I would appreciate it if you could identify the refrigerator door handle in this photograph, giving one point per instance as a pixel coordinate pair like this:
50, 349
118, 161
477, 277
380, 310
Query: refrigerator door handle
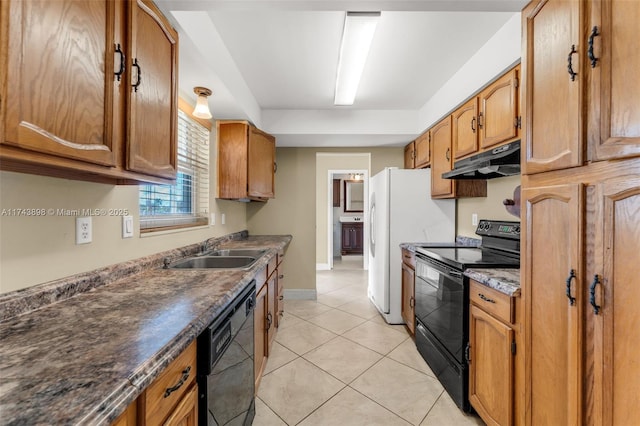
372, 225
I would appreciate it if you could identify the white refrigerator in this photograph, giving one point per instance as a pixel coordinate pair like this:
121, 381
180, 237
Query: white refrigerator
401, 210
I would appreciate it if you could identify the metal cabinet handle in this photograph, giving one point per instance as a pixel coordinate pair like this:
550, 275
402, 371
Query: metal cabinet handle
447, 154
269, 320
592, 294
570, 70
485, 298
572, 275
480, 120
592, 57
119, 51
139, 74
473, 122
412, 302
280, 277
467, 353
183, 379
275, 167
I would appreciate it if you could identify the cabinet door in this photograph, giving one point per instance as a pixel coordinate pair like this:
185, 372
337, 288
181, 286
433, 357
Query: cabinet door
614, 121
58, 65
260, 333
262, 162
552, 105
152, 95
465, 129
490, 367
423, 151
186, 413
357, 238
617, 372
346, 237
442, 159
499, 110
408, 297
272, 295
409, 155
553, 324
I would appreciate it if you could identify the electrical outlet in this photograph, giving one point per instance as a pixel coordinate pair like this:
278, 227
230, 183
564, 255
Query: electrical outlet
83, 230
127, 226
222, 219
474, 219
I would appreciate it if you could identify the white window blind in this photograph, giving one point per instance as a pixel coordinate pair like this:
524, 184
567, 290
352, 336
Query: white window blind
186, 203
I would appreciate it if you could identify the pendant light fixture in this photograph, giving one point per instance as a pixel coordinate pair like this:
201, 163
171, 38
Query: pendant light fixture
202, 105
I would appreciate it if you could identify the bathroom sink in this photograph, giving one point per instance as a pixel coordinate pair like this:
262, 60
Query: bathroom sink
215, 262
350, 219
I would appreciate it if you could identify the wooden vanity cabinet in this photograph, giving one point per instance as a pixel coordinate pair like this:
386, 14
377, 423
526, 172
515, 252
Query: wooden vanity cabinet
101, 110
409, 289
410, 155
246, 162
352, 238
491, 354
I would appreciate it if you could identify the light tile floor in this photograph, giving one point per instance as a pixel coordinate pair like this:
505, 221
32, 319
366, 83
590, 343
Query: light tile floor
336, 361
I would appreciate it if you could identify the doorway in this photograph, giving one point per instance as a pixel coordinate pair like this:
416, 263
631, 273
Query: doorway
348, 234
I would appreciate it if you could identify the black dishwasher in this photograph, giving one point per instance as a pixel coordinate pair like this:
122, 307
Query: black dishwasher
225, 365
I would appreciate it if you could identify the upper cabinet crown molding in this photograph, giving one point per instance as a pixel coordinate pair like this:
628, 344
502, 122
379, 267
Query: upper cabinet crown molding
102, 110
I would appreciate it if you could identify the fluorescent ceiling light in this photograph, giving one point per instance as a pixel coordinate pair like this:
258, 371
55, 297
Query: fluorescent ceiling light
357, 35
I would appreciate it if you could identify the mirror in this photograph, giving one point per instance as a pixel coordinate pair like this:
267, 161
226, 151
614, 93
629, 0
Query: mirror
353, 196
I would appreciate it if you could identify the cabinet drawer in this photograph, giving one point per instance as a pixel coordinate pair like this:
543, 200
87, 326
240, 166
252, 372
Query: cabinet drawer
409, 258
492, 301
182, 371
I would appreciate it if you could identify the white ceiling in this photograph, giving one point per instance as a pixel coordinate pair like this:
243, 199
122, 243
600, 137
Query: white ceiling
274, 62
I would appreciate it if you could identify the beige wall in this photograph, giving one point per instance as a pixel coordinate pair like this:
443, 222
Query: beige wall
293, 211
490, 207
34, 250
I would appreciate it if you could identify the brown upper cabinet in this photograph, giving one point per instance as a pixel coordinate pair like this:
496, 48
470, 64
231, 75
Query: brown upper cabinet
423, 151
498, 119
465, 129
246, 162
586, 72
102, 110
442, 162
410, 155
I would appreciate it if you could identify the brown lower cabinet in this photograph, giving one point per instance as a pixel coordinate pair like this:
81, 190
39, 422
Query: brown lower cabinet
493, 329
408, 289
172, 399
352, 238
268, 312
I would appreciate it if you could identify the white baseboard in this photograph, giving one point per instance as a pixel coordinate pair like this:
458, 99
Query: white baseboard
300, 294
323, 267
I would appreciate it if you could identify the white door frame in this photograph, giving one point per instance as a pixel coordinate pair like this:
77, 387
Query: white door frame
365, 212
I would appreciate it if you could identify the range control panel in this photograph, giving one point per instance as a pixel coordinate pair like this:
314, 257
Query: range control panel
499, 228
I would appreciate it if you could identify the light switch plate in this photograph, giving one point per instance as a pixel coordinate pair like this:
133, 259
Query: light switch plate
83, 230
127, 226
222, 219
474, 219
213, 219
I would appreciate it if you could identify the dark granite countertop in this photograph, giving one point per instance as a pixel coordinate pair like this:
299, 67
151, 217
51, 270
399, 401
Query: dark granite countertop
84, 359
506, 281
460, 241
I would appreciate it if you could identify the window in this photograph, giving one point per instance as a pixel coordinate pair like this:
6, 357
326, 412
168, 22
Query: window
185, 203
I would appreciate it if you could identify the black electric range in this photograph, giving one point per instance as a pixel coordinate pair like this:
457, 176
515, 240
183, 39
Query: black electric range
442, 299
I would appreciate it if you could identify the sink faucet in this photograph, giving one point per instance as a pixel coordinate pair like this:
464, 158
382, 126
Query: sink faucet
205, 245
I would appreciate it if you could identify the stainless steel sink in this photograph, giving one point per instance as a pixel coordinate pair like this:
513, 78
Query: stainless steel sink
216, 262
238, 252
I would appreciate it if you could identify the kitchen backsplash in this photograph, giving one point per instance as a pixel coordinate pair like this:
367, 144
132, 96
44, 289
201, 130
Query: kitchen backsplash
489, 207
